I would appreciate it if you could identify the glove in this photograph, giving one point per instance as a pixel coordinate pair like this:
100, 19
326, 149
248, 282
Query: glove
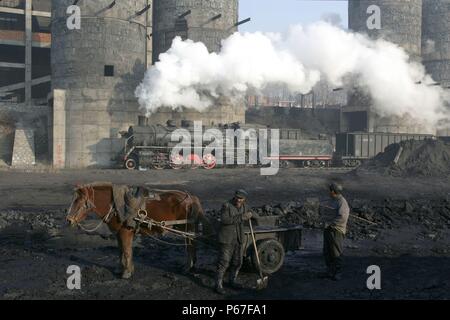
247, 216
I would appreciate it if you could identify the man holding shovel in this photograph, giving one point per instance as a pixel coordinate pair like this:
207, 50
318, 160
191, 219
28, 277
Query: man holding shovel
334, 234
231, 238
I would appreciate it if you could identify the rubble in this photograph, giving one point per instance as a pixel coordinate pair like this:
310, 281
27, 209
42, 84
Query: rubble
384, 214
44, 220
380, 215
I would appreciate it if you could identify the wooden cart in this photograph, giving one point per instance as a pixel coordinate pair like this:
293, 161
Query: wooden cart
272, 242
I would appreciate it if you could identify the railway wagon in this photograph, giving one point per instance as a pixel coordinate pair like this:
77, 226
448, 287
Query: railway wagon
444, 134
354, 148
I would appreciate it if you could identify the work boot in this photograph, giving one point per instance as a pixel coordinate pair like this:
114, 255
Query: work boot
233, 281
336, 272
327, 274
219, 284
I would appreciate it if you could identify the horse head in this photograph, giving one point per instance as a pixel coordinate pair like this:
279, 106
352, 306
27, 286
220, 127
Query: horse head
82, 204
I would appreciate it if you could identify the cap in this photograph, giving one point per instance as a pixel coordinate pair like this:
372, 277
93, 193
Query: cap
336, 187
241, 193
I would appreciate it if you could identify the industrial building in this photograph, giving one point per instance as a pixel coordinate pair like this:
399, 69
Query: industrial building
67, 94
436, 40
422, 28
88, 76
95, 71
25, 41
206, 21
401, 23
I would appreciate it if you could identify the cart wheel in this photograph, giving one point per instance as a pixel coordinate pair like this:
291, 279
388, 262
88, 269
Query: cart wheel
130, 164
271, 256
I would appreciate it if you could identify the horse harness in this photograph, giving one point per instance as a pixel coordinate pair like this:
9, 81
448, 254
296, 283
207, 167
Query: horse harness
106, 220
142, 218
91, 206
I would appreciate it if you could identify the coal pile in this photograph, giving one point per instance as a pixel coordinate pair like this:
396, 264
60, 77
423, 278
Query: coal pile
430, 216
368, 217
429, 158
30, 220
307, 213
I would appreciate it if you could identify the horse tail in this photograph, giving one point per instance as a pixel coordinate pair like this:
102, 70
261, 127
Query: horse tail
197, 214
200, 218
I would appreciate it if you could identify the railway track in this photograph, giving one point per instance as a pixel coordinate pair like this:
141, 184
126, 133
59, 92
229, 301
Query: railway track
343, 169
328, 169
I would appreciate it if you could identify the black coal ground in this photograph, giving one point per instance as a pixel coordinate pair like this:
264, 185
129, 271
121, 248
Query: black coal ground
411, 244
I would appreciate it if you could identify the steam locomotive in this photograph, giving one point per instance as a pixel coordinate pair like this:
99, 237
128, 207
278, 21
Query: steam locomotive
152, 146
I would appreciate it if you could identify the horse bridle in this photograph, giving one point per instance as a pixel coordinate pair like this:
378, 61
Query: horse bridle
90, 206
87, 207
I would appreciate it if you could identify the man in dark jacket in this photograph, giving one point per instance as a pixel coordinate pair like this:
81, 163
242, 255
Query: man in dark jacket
334, 234
231, 238
134, 201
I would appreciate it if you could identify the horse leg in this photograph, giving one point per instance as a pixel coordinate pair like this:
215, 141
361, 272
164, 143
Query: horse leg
197, 213
191, 258
127, 236
121, 266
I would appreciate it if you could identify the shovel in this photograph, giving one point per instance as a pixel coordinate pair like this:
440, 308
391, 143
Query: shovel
351, 215
261, 283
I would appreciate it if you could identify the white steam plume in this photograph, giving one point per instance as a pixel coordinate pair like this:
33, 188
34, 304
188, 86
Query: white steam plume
188, 75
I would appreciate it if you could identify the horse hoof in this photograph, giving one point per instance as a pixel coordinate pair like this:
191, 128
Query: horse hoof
126, 275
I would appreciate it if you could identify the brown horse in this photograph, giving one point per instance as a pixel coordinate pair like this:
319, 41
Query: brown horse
170, 206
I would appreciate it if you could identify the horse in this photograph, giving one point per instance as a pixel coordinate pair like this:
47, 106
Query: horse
173, 205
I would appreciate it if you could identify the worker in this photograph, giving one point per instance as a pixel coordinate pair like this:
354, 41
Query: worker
334, 233
231, 238
134, 201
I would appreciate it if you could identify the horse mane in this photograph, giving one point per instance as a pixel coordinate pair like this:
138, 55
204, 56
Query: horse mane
102, 184
168, 191
97, 184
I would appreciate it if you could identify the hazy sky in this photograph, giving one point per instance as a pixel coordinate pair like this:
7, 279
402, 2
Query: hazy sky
278, 15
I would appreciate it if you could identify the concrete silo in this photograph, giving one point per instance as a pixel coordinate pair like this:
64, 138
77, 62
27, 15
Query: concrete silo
436, 40
95, 71
436, 45
206, 21
400, 23
202, 21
